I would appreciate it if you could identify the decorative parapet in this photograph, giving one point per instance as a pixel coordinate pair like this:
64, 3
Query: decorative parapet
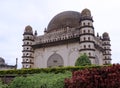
63, 34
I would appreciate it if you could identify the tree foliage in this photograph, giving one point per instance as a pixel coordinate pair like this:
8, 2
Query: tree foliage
83, 60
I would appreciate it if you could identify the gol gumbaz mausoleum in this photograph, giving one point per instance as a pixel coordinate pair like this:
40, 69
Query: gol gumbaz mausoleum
68, 35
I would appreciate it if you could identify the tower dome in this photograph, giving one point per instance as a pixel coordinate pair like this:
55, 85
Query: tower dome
63, 20
86, 13
105, 35
28, 29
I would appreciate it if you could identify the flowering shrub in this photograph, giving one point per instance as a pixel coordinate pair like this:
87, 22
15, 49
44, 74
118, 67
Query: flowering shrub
105, 77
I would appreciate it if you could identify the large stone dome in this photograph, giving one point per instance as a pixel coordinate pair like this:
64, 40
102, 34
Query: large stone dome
63, 20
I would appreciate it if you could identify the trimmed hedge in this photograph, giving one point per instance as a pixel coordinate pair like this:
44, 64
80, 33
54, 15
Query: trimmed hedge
45, 70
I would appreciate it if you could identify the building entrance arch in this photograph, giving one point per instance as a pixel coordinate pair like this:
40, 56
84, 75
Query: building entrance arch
55, 60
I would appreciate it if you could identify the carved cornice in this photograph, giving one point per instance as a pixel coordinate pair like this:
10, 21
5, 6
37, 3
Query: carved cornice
54, 43
87, 34
107, 49
86, 18
91, 57
27, 57
86, 49
107, 54
27, 63
87, 41
28, 39
27, 51
106, 44
26, 45
105, 39
26, 33
107, 59
86, 26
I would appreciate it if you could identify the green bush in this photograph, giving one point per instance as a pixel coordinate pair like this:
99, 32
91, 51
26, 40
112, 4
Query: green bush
42, 80
83, 60
2, 85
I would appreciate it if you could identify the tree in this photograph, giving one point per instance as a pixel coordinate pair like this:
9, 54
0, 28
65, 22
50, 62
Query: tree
83, 60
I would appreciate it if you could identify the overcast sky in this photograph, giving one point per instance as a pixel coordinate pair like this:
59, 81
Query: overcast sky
16, 14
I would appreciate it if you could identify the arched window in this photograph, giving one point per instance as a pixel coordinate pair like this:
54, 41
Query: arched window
89, 54
89, 38
84, 24
84, 46
27, 54
105, 62
30, 54
88, 24
28, 37
27, 66
84, 31
88, 31
26, 60
84, 38
89, 46
27, 42
105, 57
104, 52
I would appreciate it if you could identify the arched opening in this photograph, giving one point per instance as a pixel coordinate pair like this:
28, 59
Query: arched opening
84, 38
84, 46
89, 38
55, 60
89, 54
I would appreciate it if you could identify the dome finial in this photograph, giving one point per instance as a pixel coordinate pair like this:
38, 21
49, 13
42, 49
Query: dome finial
97, 34
35, 33
45, 30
